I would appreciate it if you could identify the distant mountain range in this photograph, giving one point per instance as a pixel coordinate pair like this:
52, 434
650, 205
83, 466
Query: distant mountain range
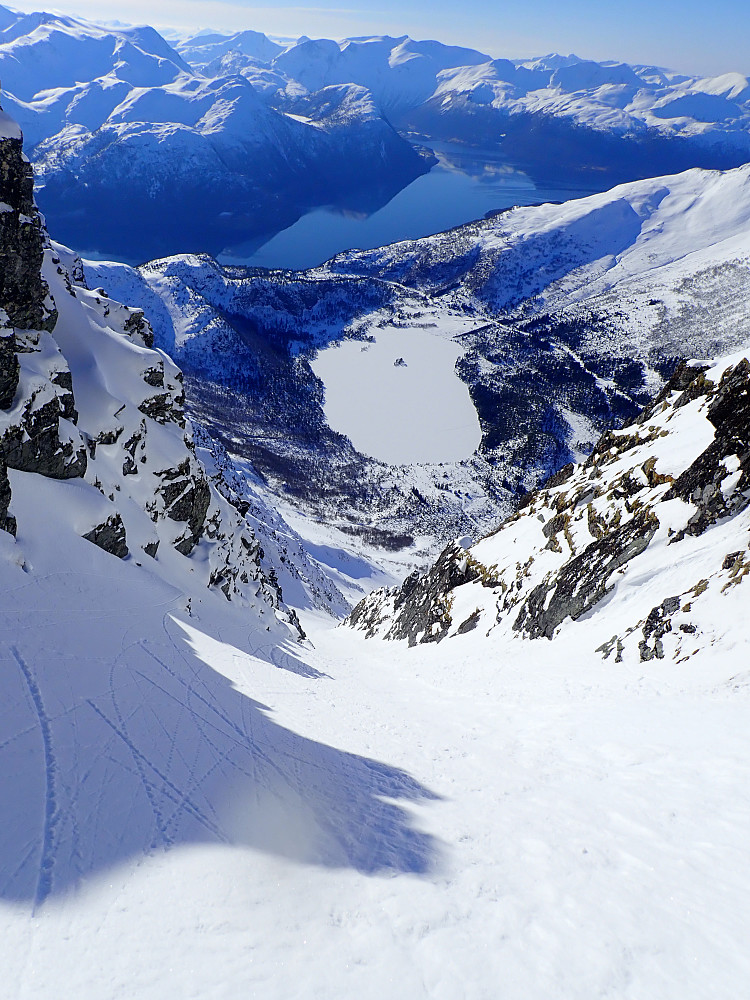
143, 149
137, 154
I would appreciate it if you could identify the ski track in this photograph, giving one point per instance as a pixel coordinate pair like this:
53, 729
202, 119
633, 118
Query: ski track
51, 818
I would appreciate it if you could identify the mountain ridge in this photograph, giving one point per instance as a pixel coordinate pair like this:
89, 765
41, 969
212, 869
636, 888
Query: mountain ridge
254, 141
596, 539
568, 319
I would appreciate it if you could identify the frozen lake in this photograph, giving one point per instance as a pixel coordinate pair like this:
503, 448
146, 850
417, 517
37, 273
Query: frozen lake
465, 185
418, 411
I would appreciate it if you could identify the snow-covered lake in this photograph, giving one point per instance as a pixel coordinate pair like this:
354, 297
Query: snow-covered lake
418, 411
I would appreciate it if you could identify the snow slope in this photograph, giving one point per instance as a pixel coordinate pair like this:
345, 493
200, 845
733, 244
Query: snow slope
436, 821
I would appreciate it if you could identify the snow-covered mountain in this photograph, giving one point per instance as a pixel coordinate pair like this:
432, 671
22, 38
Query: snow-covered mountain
554, 322
226, 140
205, 49
629, 121
138, 155
642, 548
612, 118
450, 84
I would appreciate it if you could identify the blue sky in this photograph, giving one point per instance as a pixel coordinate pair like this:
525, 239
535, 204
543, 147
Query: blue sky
694, 36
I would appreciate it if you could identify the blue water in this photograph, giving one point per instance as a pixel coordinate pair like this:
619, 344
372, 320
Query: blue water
463, 186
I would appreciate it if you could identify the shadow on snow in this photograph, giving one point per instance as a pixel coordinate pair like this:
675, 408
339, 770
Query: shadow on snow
138, 744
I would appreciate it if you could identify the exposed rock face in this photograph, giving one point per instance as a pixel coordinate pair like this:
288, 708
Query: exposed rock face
701, 484
7, 522
422, 606
186, 497
37, 432
36, 442
582, 582
9, 368
680, 469
110, 536
23, 293
84, 400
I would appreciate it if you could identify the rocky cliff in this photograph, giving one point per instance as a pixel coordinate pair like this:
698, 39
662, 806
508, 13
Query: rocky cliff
86, 401
650, 533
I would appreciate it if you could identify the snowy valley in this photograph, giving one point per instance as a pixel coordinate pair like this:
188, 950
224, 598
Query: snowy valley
558, 321
378, 629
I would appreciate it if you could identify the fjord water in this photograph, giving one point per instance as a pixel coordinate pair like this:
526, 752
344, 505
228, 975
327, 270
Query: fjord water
464, 185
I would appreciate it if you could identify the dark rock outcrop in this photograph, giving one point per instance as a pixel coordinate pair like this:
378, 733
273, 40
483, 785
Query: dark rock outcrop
583, 581
31, 439
7, 521
656, 626
24, 294
562, 553
186, 497
34, 442
137, 325
701, 483
110, 536
422, 604
9, 368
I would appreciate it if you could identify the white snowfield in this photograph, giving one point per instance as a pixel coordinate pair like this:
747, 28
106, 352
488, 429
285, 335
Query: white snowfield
187, 819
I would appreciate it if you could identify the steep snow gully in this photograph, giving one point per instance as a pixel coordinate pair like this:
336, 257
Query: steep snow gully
524, 773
